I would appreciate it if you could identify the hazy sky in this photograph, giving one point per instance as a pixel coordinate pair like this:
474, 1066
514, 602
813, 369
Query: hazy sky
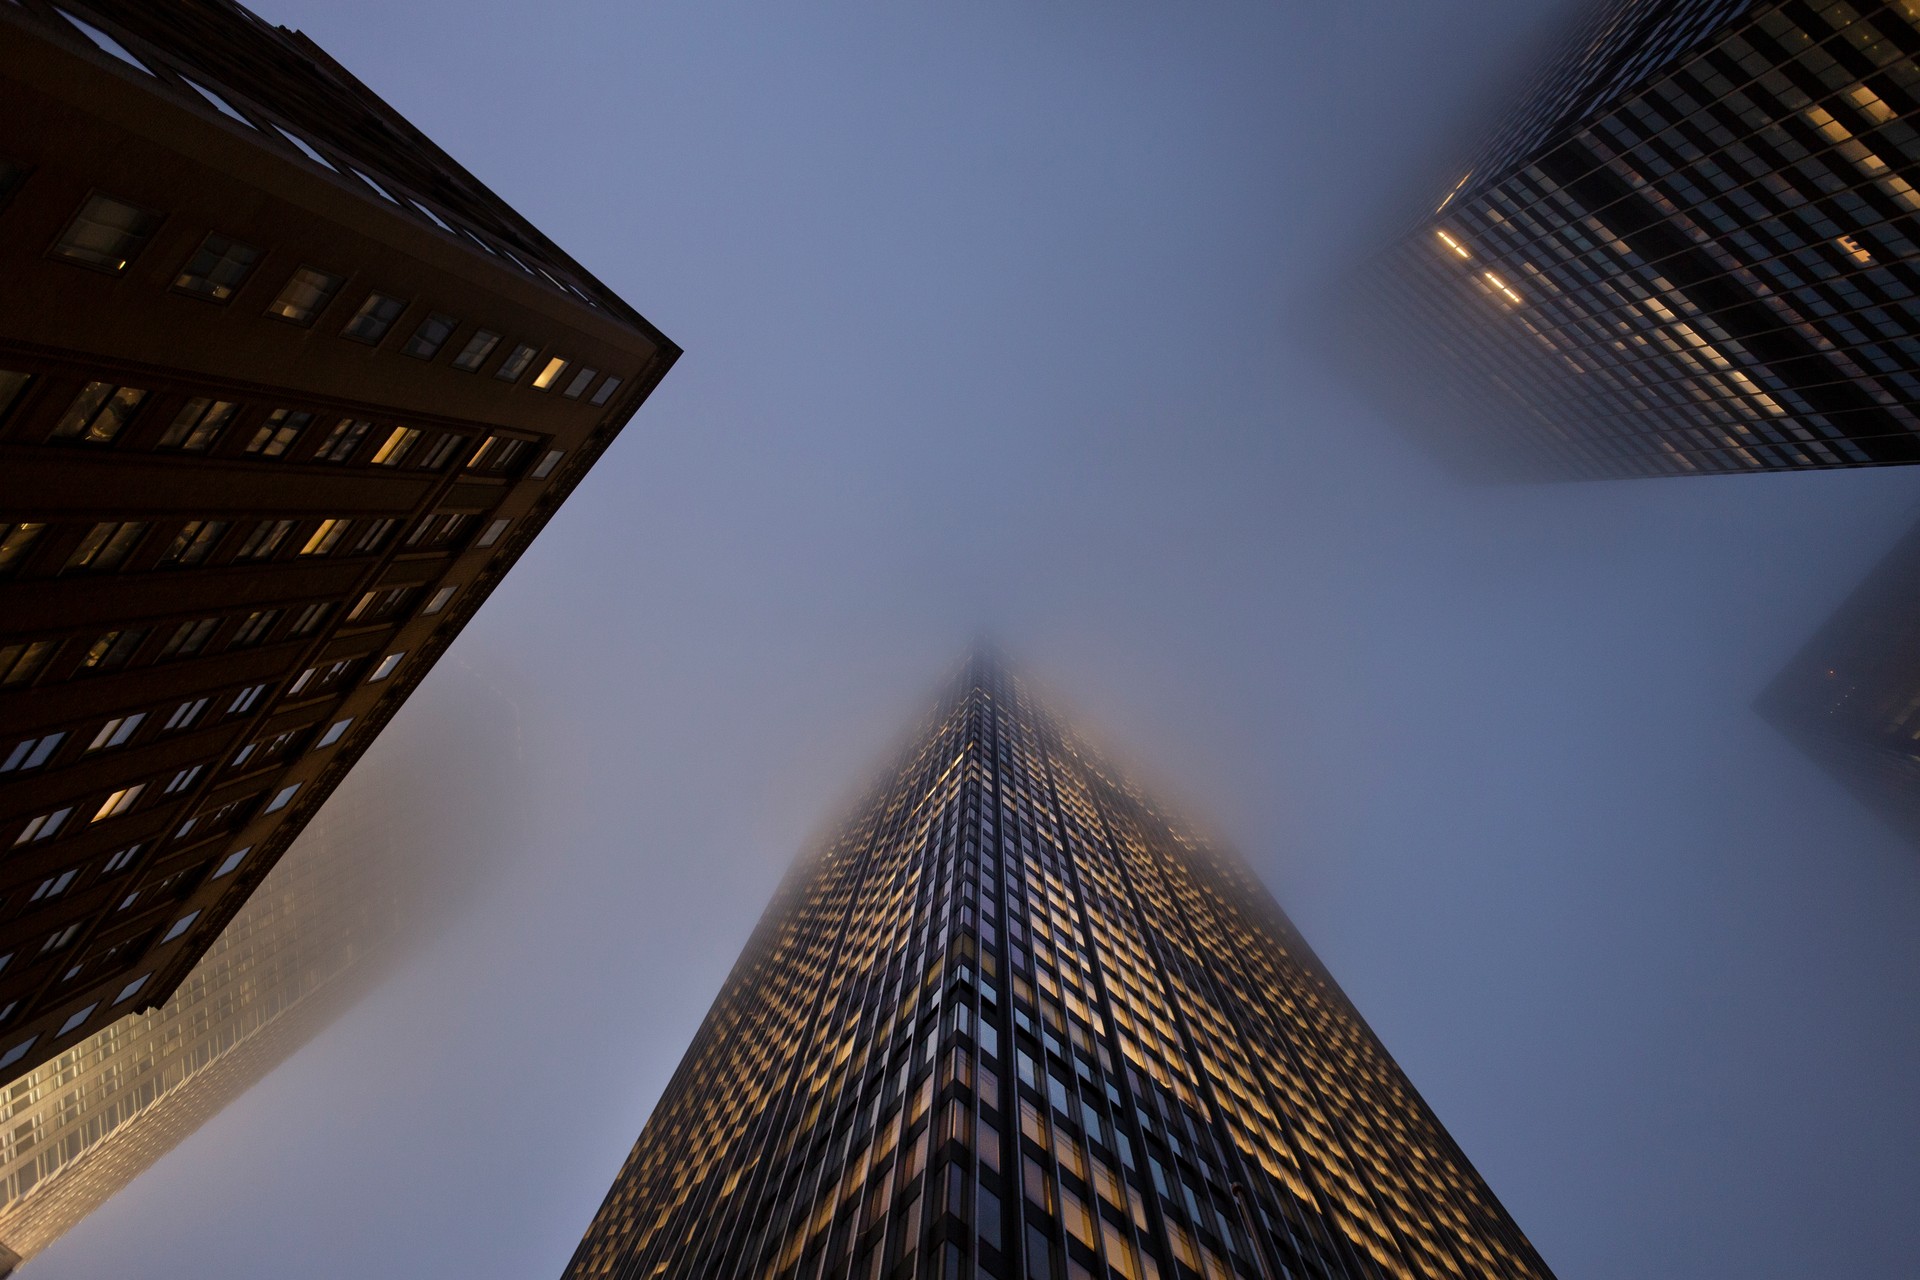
986, 309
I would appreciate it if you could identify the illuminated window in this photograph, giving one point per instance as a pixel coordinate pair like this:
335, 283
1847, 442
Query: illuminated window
118, 802
551, 371
393, 450
306, 295
219, 267
325, 537
106, 234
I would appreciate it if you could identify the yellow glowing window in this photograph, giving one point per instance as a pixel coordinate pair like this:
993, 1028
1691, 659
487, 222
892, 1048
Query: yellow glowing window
325, 537
554, 368
1453, 244
395, 447
119, 802
1854, 249
1502, 286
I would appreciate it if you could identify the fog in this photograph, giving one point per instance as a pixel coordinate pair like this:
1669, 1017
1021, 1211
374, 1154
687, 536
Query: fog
989, 312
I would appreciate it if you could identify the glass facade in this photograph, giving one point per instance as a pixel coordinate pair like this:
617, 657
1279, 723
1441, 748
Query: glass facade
318, 933
1851, 697
1692, 250
1014, 1021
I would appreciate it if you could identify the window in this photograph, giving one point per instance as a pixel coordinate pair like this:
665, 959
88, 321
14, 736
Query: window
475, 353
276, 435
443, 449
548, 463
578, 383
255, 629
194, 542
18, 1052
132, 989
12, 383
375, 316
516, 363
373, 536
106, 234
431, 335
98, 413
306, 295
393, 450
377, 606
54, 886
281, 799
20, 663
218, 103
385, 669
334, 733
105, 43
106, 546
494, 530
607, 388
439, 600
188, 638
44, 827
325, 537
121, 860
116, 731
342, 440
185, 714
183, 779
231, 861
309, 619
118, 803
112, 650
32, 752
217, 268
244, 700
180, 926
300, 682
305, 148
552, 370
497, 454
198, 425
15, 541
438, 531
265, 539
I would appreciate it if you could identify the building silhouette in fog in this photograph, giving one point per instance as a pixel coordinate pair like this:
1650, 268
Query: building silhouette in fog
326, 925
1690, 249
284, 392
1013, 1021
1851, 697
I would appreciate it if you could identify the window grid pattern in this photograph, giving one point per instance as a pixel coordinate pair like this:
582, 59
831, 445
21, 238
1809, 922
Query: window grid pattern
1014, 1022
1713, 272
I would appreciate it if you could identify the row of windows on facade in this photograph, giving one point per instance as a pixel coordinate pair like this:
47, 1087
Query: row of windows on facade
102, 410
110, 546
163, 69
26, 662
107, 234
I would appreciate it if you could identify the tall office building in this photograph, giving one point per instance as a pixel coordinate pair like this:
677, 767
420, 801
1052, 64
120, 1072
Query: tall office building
1015, 1022
1851, 697
1691, 249
284, 391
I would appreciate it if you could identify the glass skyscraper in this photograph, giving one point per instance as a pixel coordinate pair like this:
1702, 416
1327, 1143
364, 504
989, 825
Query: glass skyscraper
1690, 249
1014, 1021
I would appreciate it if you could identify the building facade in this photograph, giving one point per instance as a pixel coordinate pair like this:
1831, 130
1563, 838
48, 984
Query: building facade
1691, 249
354, 891
284, 392
1014, 1022
1851, 697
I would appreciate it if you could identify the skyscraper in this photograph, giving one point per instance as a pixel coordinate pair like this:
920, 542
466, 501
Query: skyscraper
1851, 697
284, 392
397, 850
1690, 249
1013, 1021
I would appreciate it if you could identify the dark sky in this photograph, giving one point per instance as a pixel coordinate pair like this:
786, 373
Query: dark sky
986, 308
